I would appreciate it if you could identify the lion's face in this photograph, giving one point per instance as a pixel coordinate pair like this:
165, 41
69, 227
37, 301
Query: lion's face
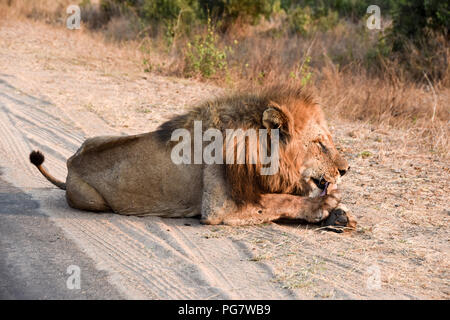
322, 164
309, 163
309, 160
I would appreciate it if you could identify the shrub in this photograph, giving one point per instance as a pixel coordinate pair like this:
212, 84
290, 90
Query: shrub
95, 17
419, 37
156, 14
302, 20
353, 9
299, 20
303, 73
203, 55
328, 21
416, 18
229, 10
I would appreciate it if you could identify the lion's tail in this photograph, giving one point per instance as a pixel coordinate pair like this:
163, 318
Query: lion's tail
37, 158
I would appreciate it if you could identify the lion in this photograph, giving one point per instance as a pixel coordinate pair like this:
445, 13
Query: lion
134, 175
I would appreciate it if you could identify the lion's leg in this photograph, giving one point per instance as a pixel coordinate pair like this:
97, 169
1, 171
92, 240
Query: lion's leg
81, 195
216, 201
218, 207
276, 206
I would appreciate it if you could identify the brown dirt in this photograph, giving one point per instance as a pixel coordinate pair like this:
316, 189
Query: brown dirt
60, 86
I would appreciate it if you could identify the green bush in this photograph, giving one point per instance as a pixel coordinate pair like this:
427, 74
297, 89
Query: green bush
203, 55
415, 19
354, 9
328, 21
302, 20
229, 10
167, 13
299, 20
303, 72
418, 38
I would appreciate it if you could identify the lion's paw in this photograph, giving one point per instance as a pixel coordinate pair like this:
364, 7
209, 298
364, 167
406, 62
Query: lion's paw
339, 220
211, 221
320, 207
331, 200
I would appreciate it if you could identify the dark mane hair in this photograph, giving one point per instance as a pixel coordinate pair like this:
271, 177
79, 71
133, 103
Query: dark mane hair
241, 108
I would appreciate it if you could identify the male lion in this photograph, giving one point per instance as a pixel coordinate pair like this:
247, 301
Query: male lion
134, 175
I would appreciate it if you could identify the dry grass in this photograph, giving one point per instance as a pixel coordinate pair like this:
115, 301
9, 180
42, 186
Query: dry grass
331, 63
334, 65
50, 11
383, 104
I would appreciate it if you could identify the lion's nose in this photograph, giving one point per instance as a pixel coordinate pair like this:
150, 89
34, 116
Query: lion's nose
343, 171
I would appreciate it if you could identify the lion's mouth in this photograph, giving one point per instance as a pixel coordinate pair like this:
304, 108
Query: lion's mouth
322, 184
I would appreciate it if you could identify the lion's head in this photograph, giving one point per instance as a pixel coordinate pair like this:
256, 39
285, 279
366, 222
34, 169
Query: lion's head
309, 160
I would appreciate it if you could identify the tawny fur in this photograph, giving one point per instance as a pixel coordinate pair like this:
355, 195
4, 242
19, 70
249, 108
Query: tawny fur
134, 175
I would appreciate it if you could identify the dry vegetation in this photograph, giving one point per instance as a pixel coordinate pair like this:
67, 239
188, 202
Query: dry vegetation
332, 62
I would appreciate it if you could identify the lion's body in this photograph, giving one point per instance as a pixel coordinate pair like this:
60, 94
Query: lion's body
134, 175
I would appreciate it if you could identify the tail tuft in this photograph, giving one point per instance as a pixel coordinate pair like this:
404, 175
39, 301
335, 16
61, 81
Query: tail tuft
37, 158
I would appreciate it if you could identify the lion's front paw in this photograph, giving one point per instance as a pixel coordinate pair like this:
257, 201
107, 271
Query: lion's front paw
339, 220
331, 200
321, 207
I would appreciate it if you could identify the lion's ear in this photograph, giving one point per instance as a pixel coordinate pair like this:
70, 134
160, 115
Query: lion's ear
277, 117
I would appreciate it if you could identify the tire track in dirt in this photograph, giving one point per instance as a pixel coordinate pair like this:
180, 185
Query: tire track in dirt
145, 257
128, 253
238, 282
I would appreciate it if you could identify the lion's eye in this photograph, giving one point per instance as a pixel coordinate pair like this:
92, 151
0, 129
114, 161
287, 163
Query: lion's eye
319, 143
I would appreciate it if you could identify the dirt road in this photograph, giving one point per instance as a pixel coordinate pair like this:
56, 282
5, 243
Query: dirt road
58, 87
